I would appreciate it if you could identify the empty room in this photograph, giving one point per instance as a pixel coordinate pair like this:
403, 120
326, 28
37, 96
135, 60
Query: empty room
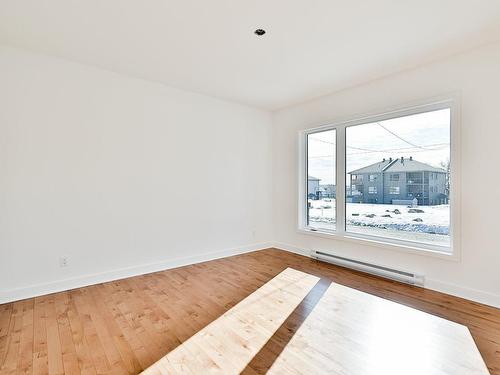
250, 187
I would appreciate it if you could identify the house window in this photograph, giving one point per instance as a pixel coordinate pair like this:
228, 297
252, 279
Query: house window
394, 177
396, 151
321, 155
394, 190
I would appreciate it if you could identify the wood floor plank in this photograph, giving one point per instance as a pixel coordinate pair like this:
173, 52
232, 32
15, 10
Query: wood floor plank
153, 314
40, 351
54, 348
5, 319
9, 365
5, 314
96, 351
25, 361
69, 355
82, 347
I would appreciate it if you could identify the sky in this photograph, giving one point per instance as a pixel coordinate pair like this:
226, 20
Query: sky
425, 136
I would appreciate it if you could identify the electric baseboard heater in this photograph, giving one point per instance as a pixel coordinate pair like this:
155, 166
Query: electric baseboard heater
389, 273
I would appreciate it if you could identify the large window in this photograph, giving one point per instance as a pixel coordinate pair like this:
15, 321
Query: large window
405, 158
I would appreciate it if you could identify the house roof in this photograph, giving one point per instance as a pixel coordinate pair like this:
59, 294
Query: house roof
311, 178
373, 168
396, 165
412, 166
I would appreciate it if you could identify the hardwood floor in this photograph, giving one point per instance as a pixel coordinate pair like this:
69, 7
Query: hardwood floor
345, 331
125, 326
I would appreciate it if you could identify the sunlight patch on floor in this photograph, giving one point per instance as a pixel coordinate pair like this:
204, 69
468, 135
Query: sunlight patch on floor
351, 332
230, 342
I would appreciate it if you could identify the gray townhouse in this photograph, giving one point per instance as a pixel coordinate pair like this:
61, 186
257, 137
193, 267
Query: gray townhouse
313, 190
398, 181
317, 191
328, 190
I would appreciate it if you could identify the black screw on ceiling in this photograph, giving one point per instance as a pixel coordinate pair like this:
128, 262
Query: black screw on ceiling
259, 32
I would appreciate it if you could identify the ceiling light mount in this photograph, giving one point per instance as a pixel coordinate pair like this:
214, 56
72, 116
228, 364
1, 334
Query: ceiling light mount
259, 32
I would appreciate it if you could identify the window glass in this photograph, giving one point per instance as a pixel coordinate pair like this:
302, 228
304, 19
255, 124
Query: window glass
394, 177
408, 154
393, 189
321, 186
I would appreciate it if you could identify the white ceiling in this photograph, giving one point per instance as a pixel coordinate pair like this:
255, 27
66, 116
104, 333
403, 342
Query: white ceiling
312, 47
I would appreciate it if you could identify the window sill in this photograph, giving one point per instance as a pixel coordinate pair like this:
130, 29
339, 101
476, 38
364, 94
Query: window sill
387, 244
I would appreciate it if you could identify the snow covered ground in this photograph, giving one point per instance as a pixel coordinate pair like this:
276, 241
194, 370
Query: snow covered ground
423, 223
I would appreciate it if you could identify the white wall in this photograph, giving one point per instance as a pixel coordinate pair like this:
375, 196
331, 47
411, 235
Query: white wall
120, 175
476, 76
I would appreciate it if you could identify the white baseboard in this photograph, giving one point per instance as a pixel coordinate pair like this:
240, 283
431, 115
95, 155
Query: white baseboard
437, 285
97, 278
463, 292
291, 248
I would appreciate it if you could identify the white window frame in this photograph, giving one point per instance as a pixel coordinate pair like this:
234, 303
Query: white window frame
453, 252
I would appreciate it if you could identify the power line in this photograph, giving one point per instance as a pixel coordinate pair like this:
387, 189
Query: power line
397, 136
321, 140
333, 143
422, 149
437, 147
371, 150
362, 149
354, 148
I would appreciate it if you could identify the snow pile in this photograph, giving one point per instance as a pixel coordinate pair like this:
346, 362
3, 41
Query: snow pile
422, 219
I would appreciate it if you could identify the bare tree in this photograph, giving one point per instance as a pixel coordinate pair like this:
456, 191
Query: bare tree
447, 167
